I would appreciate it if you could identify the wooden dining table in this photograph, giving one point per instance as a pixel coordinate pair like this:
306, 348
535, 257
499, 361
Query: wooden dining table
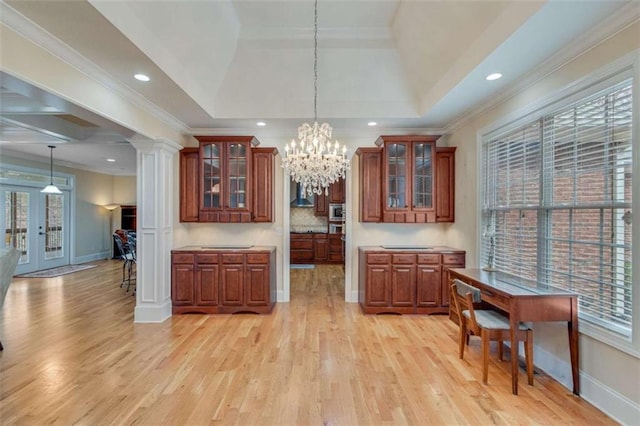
526, 301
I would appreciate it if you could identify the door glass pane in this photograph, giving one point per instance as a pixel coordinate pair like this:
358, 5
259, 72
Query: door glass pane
54, 215
422, 175
237, 175
16, 223
396, 181
212, 174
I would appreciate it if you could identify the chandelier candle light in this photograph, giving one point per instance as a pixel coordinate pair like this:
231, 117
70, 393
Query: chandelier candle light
314, 161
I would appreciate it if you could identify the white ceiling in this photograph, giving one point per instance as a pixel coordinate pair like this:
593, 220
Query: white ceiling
221, 65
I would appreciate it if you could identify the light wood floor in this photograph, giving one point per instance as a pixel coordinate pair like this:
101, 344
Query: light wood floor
74, 356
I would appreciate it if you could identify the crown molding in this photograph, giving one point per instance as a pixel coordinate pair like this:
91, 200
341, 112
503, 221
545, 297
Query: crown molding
39, 36
617, 22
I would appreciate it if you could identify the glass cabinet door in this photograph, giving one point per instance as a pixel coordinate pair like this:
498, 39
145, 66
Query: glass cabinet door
396, 154
423, 178
237, 175
212, 172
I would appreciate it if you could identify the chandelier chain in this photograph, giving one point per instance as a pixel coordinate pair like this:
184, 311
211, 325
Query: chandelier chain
315, 61
314, 160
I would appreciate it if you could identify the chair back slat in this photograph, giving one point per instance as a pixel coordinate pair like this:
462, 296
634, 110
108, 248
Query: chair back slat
464, 297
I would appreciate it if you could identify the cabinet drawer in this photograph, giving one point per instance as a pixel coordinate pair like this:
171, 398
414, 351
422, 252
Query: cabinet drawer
453, 259
305, 236
301, 244
258, 258
206, 258
429, 259
404, 259
182, 258
232, 258
495, 299
378, 258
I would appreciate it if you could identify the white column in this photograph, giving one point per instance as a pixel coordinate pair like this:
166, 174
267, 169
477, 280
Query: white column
155, 177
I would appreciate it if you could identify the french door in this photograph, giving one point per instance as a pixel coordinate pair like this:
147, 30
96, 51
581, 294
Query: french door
37, 225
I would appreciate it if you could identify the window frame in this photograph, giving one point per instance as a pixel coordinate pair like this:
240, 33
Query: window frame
625, 67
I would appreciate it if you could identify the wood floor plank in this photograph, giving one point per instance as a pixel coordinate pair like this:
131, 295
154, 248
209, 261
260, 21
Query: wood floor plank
74, 356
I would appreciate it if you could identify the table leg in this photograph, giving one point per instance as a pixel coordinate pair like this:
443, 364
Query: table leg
514, 353
573, 346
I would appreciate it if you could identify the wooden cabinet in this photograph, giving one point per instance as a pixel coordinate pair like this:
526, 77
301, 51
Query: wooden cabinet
408, 192
313, 248
370, 184
336, 248
262, 184
456, 260
301, 248
445, 183
336, 192
225, 164
215, 281
320, 205
407, 180
404, 282
226, 180
320, 247
189, 184
336, 196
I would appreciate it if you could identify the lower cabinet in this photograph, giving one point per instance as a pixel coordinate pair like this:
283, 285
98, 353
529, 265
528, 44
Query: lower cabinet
212, 282
393, 281
316, 247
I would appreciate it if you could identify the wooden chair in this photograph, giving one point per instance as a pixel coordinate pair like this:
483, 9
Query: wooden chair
489, 325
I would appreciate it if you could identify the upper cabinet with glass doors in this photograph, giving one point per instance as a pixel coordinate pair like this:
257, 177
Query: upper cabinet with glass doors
409, 189
217, 181
416, 181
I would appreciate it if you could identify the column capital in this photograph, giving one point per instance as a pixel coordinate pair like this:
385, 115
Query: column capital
148, 145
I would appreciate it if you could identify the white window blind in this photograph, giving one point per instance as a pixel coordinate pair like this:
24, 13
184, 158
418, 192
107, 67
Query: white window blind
511, 197
557, 202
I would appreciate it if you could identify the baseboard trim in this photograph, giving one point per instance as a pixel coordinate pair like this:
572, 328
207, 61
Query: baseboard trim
608, 400
149, 313
90, 257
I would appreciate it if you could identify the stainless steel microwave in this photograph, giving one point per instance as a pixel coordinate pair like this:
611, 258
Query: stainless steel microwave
336, 212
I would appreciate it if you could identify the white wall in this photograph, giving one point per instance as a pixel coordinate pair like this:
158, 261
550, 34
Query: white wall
610, 378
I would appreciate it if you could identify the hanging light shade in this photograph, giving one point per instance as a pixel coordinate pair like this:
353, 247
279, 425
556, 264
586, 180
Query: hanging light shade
51, 188
314, 160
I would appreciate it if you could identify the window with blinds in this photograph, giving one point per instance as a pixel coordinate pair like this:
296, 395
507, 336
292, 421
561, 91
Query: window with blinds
557, 203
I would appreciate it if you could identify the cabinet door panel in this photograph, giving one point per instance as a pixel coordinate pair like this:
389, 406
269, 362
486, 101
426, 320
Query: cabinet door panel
211, 176
336, 192
397, 173
445, 184
207, 288
428, 285
370, 184
189, 184
182, 284
423, 176
320, 249
378, 292
232, 281
257, 285
403, 285
262, 179
446, 284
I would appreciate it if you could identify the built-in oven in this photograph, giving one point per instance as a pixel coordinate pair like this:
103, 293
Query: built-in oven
336, 228
336, 212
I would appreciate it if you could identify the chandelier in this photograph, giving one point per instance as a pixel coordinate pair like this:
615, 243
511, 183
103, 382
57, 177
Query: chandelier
314, 161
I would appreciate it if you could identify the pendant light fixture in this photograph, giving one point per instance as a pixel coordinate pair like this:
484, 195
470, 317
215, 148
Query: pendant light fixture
51, 188
314, 161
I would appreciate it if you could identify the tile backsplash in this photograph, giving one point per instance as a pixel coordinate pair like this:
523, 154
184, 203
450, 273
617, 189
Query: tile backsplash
302, 219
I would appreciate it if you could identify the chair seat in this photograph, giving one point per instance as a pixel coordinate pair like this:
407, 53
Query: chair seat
492, 320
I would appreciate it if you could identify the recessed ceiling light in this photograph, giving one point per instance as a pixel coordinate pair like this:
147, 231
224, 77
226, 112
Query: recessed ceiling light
111, 160
372, 123
142, 77
261, 123
494, 76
